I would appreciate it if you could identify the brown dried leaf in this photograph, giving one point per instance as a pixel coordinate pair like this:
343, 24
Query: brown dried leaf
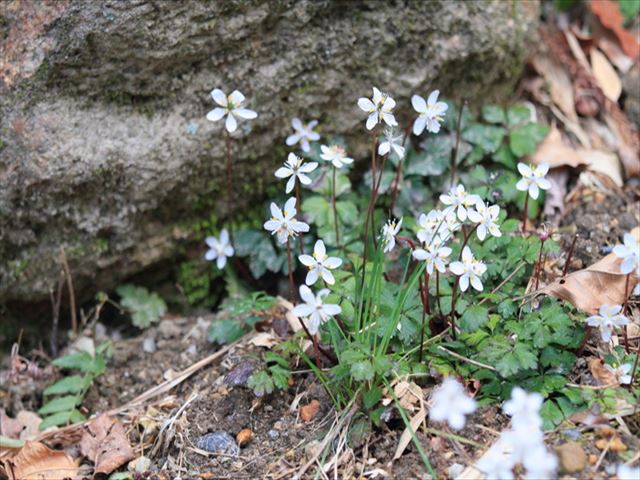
105, 443
309, 411
589, 289
408, 433
600, 373
38, 462
606, 75
9, 427
559, 83
608, 12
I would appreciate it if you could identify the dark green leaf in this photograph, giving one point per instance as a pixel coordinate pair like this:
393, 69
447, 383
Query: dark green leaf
225, 331
524, 140
488, 137
60, 404
70, 384
473, 318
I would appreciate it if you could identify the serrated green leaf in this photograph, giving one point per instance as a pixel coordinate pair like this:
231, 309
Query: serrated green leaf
70, 384
362, 370
55, 420
225, 331
371, 397
60, 404
528, 359
80, 361
551, 415
524, 140
145, 307
517, 115
494, 114
488, 137
473, 318
261, 383
280, 376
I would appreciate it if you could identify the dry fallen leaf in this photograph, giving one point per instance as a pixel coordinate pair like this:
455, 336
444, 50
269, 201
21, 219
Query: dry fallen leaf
244, 436
610, 17
590, 288
9, 427
606, 75
309, 411
105, 443
600, 373
36, 461
264, 339
615, 444
408, 433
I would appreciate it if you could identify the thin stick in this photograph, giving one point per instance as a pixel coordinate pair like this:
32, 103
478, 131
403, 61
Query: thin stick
292, 294
454, 152
55, 310
567, 262
424, 297
72, 295
468, 360
333, 202
299, 210
539, 265
504, 282
227, 143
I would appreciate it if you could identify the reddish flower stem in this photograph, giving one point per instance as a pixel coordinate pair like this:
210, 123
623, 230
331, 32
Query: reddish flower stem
227, 143
539, 265
299, 210
333, 202
567, 262
525, 214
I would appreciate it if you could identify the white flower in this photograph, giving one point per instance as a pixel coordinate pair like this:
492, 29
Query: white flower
630, 254
609, 317
621, 373
451, 403
284, 224
429, 224
533, 179
540, 463
294, 168
389, 232
219, 250
498, 462
485, 217
469, 270
524, 408
430, 113
304, 134
319, 264
434, 256
459, 200
390, 143
627, 472
336, 155
314, 309
379, 109
231, 106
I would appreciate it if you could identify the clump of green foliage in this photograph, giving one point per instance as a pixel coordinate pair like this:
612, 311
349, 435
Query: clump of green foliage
144, 307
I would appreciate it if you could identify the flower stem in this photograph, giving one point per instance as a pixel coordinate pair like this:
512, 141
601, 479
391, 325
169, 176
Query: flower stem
227, 143
333, 202
635, 366
370, 206
539, 265
454, 294
525, 213
426, 309
397, 179
299, 209
624, 310
292, 292
438, 291
567, 262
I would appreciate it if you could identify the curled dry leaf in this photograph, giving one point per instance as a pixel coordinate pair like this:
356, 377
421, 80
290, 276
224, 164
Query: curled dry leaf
105, 443
600, 373
606, 75
408, 433
37, 461
590, 288
309, 411
608, 12
9, 427
264, 339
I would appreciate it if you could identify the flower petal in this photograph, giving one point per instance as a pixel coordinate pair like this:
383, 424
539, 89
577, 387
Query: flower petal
283, 172
236, 97
215, 114
296, 123
292, 139
433, 98
231, 123
319, 249
219, 97
333, 262
245, 113
307, 295
419, 105
312, 276
291, 183
366, 105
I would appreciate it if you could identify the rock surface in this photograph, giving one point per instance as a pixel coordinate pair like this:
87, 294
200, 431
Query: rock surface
104, 146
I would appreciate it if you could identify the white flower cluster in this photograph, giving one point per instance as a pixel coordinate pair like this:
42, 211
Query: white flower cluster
629, 251
450, 403
522, 444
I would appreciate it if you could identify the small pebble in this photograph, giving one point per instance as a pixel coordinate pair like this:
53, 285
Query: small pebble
572, 457
218, 442
273, 434
240, 374
455, 470
149, 345
572, 433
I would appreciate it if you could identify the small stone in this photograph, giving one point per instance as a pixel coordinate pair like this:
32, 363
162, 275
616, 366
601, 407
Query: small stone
240, 374
169, 329
218, 442
149, 345
593, 459
455, 470
139, 465
273, 434
244, 436
312, 449
572, 457
310, 410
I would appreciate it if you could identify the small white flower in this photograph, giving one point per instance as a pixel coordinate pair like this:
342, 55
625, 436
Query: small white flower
451, 403
389, 232
379, 109
627, 472
336, 155
498, 462
458, 200
621, 373
485, 217
533, 179
539, 463
524, 408
430, 113
284, 224
429, 225
294, 168
390, 143
629, 251
231, 106
304, 134
314, 309
219, 250
433, 256
608, 319
469, 270
320, 264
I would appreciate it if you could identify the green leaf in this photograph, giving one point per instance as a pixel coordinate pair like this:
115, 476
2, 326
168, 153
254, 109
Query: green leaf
225, 331
494, 114
347, 213
317, 209
524, 140
120, 476
6, 442
551, 415
371, 397
145, 307
362, 370
280, 376
60, 404
488, 137
473, 318
70, 384
80, 361
261, 383
629, 9
504, 156
528, 360
517, 115
61, 418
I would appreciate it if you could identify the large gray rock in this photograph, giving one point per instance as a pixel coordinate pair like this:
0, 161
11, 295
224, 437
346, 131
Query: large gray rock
105, 149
